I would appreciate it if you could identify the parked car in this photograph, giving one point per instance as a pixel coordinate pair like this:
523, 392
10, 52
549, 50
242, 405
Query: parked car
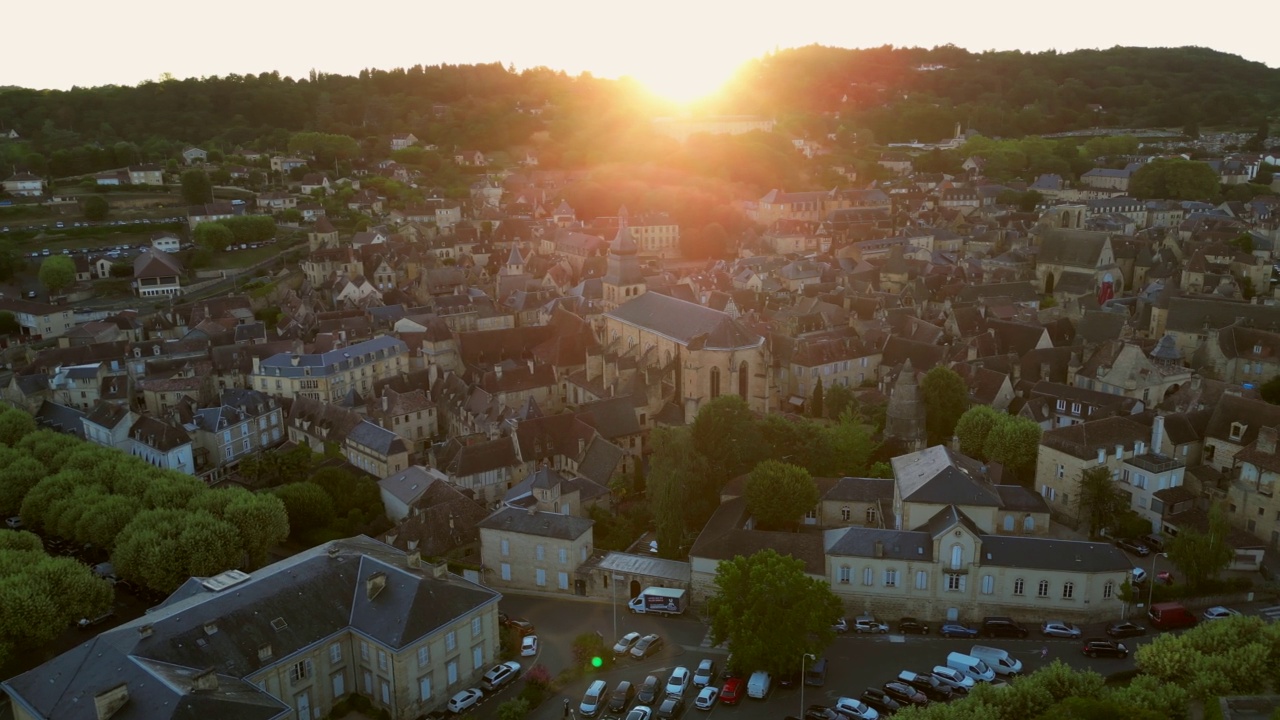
953, 678
621, 698
522, 627
706, 697
1154, 541
86, 623
678, 681
464, 700
821, 712
1097, 647
999, 626
880, 701
868, 624
905, 694
732, 691
1125, 629
855, 709
1165, 577
624, 645
912, 625
529, 646
14, 522
640, 712
932, 687
1137, 547
1218, 612
648, 692
671, 707
958, 630
1138, 575
705, 674
787, 680
647, 645
1061, 629
840, 626
500, 675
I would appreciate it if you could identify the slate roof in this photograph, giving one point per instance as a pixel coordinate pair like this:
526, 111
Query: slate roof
61, 418
938, 475
409, 484
158, 434
1255, 414
263, 609
1037, 553
1019, 499
909, 545
865, 490
333, 361
464, 460
600, 460
1098, 326
724, 537
540, 524
546, 478
687, 323
1083, 440
1189, 315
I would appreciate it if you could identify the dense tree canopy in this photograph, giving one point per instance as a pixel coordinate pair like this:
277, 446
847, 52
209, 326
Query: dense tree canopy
779, 494
946, 397
57, 273
1175, 179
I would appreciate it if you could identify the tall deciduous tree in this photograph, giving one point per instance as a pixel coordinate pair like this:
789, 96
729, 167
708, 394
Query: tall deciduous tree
262, 521
725, 433
1098, 499
1015, 443
779, 494
308, 505
96, 208
1175, 179
1201, 556
15, 425
973, 428
197, 189
770, 611
1233, 656
945, 399
816, 407
679, 492
57, 273
851, 446
838, 399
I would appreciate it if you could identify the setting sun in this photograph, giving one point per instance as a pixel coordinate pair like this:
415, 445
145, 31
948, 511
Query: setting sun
680, 82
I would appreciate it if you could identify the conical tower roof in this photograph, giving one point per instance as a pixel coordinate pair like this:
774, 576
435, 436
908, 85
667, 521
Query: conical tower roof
515, 258
1167, 349
623, 243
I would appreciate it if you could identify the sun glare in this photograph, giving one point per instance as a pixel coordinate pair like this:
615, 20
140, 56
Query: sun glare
682, 83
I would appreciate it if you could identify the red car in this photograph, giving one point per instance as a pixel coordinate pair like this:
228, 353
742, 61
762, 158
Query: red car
731, 692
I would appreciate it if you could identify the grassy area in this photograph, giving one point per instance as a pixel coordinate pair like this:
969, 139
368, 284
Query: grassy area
245, 258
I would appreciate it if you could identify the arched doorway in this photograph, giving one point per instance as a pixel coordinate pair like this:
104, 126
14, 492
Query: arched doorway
1048, 283
635, 589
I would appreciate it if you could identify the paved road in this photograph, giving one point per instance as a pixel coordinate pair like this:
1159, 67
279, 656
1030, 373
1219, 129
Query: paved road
855, 662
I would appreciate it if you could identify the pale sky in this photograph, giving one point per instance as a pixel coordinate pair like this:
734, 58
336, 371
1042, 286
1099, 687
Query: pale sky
679, 48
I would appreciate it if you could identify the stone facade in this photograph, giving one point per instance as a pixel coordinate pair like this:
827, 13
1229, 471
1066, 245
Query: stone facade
532, 550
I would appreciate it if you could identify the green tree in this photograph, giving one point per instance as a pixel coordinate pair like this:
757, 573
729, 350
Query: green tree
9, 323
214, 236
41, 595
57, 273
197, 189
1201, 556
973, 428
588, 646
11, 260
726, 434
18, 475
15, 425
1174, 179
1015, 443
770, 611
945, 399
816, 407
837, 400
262, 522
1233, 656
779, 494
513, 709
96, 208
680, 495
1270, 390
850, 446
308, 505
327, 148
1098, 499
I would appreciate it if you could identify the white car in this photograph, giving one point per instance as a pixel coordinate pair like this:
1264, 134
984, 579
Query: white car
678, 681
640, 712
1139, 576
500, 675
1218, 612
628, 641
464, 700
855, 709
1058, 628
706, 698
529, 646
868, 624
840, 626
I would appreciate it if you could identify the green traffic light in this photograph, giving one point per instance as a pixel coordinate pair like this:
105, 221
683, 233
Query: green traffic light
596, 662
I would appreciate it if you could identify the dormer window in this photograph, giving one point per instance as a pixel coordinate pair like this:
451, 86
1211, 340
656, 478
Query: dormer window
1257, 349
1237, 430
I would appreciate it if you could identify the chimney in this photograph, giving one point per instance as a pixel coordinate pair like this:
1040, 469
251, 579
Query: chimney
879, 548
440, 569
333, 550
109, 702
413, 559
374, 585
412, 545
530, 362
386, 402
144, 631
264, 652
206, 680
1044, 371
497, 370
1267, 440
1157, 434
211, 628
293, 359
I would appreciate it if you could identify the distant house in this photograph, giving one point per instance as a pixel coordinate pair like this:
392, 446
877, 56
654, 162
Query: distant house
314, 181
166, 242
157, 273
276, 200
213, 211
400, 141
285, 164
24, 184
150, 174
193, 155
471, 158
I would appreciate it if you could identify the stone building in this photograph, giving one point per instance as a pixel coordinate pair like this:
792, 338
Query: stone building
532, 550
904, 419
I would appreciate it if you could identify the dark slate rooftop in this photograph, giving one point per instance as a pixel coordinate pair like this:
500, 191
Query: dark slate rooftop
542, 524
685, 322
939, 475
1036, 553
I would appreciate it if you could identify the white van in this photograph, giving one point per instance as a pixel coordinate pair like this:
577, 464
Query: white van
971, 667
593, 700
999, 660
758, 685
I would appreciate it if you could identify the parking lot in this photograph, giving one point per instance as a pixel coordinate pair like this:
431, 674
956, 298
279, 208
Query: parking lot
855, 662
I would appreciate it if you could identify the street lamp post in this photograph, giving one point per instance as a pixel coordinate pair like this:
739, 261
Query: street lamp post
1151, 589
806, 656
